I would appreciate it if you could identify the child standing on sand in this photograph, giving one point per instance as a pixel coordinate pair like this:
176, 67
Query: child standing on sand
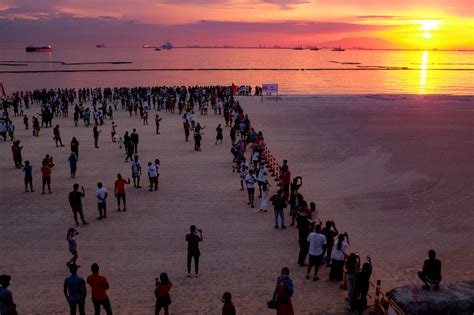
71, 234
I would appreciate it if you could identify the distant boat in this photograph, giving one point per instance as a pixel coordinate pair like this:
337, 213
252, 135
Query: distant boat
314, 48
338, 49
167, 45
298, 48
100, 45
148, 46
39, 49
158, 49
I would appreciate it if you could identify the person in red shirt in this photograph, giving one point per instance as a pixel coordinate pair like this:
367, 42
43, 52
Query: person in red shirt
99, 286
46, 175
119, 191
162, 293
228, 308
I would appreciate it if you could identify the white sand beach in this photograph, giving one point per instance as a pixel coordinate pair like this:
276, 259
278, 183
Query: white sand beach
393, 171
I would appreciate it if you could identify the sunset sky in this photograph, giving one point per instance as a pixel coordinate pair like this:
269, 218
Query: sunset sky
425, 24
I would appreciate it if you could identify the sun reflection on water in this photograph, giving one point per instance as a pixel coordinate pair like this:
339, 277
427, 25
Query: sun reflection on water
424, 72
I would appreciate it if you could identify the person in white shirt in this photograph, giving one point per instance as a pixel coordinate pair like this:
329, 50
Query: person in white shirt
101, 194
250, 180
136, 172
153, 176
316, 241
338, 256
261, 178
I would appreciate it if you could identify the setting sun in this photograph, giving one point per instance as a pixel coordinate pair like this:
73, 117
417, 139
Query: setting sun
427, 35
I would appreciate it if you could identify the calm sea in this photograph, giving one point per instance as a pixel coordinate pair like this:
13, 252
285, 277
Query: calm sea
306, 71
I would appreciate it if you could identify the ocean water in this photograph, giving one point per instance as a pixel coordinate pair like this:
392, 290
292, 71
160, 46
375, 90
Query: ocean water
296, 72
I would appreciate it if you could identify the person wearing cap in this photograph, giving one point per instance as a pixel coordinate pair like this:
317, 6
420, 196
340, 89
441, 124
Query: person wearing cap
99, 286
7, 306
75, 290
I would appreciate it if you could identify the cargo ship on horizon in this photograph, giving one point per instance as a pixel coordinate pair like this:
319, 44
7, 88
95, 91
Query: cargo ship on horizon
39, 48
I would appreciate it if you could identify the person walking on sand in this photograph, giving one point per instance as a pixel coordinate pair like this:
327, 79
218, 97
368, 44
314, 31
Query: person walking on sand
193, 240
7, 306
70, 237
113, 131
101, 194
186, 127
431, 273
228, 308
152, 176
162, 293
197, 141
157, 124
136, 172
219, 135
250, 180
75, 291
316, 242
75, 201
73, 164
264, 199
95, 133
119, 192
28, 170
46, 176
279, 205
99, 286
57, 136
75, 146
284, 292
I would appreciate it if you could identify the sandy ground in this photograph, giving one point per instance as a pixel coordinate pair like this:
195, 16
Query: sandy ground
394, 172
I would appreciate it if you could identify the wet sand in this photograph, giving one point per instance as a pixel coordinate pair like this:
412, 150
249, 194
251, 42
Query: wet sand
393, 172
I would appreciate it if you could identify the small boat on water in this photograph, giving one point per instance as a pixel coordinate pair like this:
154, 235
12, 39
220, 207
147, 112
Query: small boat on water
167, 45
39, 48
100, 45
314, 48
148, 46
158, 49
298, 48
338, 49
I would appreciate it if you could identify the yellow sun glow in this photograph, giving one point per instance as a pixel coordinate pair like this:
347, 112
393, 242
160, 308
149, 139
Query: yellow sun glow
427, 35
428, 25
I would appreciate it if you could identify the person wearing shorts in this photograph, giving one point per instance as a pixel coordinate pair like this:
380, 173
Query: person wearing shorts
316, 242
119, 191
76, 203
136, 172
101, 194
46, 176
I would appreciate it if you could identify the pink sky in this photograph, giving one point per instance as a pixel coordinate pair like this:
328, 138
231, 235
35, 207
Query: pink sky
239, 22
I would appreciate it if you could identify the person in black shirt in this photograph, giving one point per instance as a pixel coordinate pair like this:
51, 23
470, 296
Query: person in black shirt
431, 273
330, 231
193, 240
134, 138
76, 203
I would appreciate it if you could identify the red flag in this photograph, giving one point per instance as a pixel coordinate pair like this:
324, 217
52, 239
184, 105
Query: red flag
2, 90
234, 89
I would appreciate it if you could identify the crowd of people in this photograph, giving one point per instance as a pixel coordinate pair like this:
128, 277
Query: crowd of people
318, 246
